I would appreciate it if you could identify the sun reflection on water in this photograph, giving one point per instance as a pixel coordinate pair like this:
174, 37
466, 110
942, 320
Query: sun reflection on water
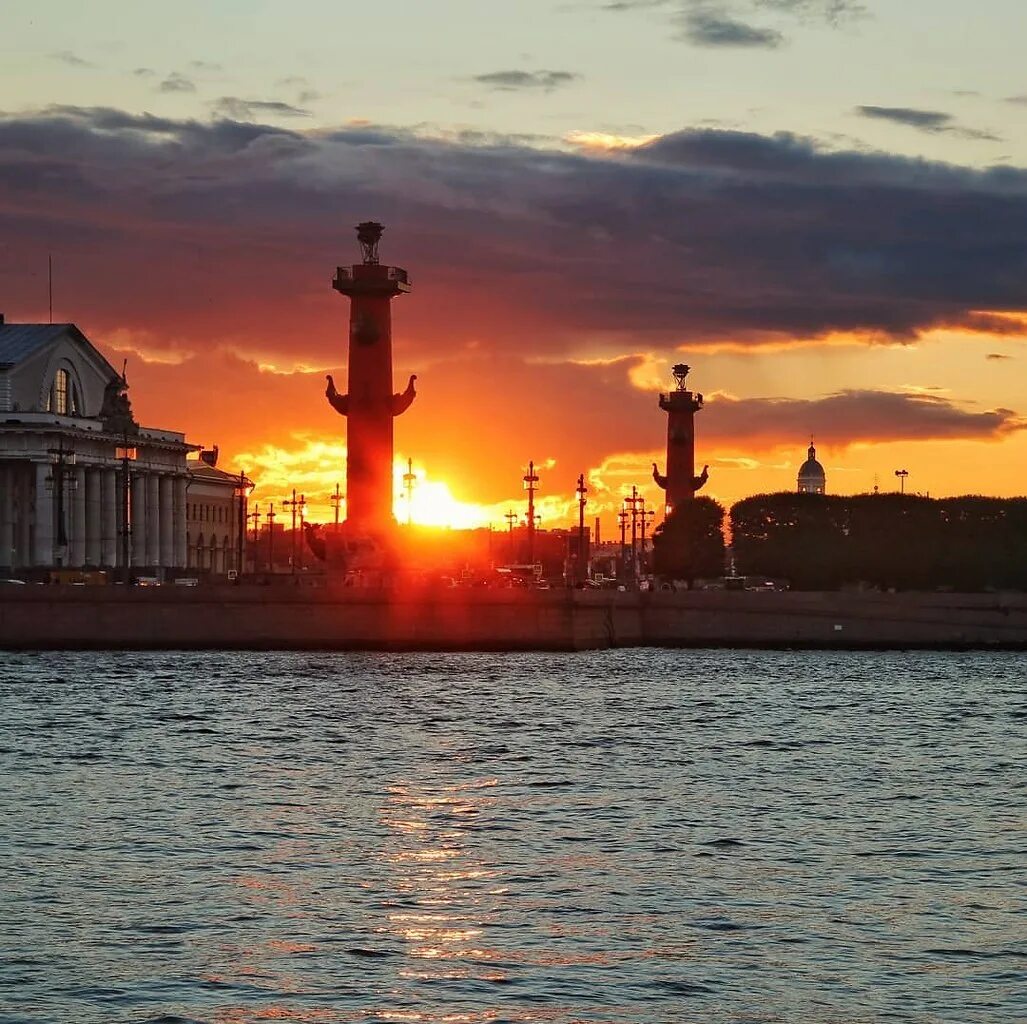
431, 862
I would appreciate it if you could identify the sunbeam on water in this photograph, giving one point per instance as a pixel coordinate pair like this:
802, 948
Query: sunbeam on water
626, 836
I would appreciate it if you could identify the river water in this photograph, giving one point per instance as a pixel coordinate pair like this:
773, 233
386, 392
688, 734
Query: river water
626, 836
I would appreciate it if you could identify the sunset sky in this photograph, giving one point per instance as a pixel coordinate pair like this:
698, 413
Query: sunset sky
819, 205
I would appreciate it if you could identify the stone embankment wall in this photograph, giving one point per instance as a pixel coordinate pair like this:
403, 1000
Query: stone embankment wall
284, 616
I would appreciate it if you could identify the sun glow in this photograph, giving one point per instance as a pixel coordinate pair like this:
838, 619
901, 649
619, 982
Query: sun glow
314, 468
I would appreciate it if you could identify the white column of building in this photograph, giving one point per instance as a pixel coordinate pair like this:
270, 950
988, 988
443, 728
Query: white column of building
110, 552
181, 559
42, 549
23, 540
139, 519
77, 518
6, 516
94, 525
167, 521
153, 523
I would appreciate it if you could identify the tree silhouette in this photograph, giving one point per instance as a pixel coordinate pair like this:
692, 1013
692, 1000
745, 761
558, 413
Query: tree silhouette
891, 541
689, 543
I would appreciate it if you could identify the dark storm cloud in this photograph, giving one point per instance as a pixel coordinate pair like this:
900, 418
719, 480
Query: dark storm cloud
925, 120
234, 108
177, 82
514, 80
699, 237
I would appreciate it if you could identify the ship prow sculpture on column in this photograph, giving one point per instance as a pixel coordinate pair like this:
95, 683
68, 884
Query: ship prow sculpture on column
681, 405
366, 539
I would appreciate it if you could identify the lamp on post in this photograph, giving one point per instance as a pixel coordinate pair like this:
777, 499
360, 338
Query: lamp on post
241, 491
531, 485
255, 516
60, 480
648, 515
511, 519
622, 520
902, 474
296, 504
336, 498
634, 501
127, 454
581, 490
271, 537
409, 479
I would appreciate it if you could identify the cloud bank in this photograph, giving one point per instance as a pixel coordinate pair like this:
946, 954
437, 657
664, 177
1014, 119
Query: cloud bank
226, 232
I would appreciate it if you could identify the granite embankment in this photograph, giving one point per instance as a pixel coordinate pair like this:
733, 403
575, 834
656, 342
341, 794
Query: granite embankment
283, 616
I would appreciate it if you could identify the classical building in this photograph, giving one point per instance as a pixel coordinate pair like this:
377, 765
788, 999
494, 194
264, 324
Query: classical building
812, 478
215, 534
82, 485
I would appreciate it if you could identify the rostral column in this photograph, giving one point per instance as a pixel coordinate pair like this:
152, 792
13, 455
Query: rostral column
370, 404
680, 405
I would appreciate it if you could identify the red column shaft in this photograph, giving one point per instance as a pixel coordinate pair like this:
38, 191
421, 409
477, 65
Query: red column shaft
680, 456
369, 439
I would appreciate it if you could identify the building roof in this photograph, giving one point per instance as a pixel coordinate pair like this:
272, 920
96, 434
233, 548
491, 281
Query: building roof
19, 341
202, 471
811, 469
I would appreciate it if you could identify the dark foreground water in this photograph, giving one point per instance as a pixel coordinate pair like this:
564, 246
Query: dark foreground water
631, 836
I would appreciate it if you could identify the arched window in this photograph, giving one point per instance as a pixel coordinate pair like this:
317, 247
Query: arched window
200, 553
61, 392
214, 566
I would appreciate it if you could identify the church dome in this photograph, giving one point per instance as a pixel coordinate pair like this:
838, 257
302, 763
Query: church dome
812, 478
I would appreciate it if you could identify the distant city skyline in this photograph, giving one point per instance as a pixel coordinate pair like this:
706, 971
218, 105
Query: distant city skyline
821, 206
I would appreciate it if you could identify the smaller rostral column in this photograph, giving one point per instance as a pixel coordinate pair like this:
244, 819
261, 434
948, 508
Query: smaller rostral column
681, 405
370, 404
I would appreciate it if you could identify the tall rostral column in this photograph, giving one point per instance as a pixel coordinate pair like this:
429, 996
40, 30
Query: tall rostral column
370, 405
681, 405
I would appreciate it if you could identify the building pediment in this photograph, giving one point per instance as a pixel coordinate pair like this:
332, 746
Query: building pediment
51, 368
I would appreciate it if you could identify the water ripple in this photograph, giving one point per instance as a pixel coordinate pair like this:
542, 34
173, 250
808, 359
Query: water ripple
618, 837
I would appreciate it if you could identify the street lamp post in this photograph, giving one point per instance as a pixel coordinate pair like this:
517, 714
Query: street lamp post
902, 474
255, 516
511, 519
634, 501
60, 480
648, 515
296, 504
126, 454
336, 498
581, 490
531, 485
271, 538
242, 489
409, 479
622, 519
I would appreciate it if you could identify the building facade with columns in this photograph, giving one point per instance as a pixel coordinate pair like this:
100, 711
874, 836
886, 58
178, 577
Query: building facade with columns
215, 527
82, 485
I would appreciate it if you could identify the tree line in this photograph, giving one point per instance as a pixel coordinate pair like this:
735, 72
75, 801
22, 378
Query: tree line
823, 542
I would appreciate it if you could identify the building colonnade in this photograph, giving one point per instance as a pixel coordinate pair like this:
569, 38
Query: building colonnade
93, 509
